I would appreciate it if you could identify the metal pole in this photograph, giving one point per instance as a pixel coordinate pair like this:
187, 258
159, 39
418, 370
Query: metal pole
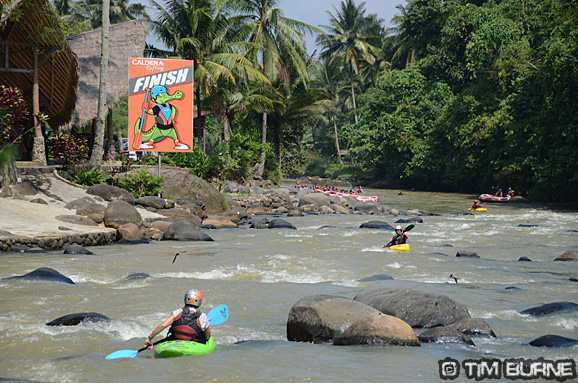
159, 153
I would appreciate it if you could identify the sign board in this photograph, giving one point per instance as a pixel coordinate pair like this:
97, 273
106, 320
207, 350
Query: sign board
160, 105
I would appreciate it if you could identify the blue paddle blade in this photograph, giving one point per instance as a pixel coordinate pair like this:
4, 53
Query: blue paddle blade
218, 315
122, 354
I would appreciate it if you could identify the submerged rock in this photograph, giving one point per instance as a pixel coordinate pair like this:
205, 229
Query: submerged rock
44, 274
76, 319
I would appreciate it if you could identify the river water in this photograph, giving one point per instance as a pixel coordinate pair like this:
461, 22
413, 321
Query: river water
260, 274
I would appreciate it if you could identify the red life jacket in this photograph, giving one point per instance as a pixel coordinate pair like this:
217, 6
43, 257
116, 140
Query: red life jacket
186, 327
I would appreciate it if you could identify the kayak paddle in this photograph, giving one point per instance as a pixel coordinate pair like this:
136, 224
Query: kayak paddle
408, 228
217, 315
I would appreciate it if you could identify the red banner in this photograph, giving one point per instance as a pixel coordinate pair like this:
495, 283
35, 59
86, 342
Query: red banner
160, 105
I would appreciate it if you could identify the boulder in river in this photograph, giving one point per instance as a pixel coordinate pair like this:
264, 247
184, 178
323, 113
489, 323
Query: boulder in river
473, 326
45, 274
553, 341
120, 212
444, 335
417, 308
76, 319
551, 308
321, 318
378, 329
569, 256
376, 225
184, 230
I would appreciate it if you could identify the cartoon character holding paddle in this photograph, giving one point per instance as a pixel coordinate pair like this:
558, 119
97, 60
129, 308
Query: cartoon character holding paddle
164, 126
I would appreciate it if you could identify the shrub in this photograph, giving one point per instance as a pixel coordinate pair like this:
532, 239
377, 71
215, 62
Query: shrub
94, 176
141, 183
13, 113
68, 149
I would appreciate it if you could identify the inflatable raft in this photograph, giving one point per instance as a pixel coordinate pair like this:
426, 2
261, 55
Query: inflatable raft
493, 198
402, 247
176, 348
360, 198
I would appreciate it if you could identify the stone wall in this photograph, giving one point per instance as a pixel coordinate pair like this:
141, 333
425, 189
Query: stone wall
13, 243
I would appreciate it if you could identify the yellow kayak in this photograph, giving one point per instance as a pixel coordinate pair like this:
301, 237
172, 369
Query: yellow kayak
402, 247
480, 209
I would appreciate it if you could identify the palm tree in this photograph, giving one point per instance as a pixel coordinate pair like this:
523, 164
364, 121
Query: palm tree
198, 30
96, 156
346, 40
88, 13
404, 53
278, 46
329, 77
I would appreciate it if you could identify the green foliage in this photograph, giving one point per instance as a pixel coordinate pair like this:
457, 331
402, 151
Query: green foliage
141, 183
197, 161
94, 176
13, 113
68, 149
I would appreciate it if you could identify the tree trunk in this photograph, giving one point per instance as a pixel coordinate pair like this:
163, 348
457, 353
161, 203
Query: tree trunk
110, 142
353, 94
336, 137
96, 157
38, 147
261, 165
200, 126
278, 138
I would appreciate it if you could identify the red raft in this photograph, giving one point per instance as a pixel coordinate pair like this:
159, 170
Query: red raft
360, 198
493, 198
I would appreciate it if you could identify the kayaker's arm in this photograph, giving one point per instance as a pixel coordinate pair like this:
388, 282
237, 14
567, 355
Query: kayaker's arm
208, 333
164, 324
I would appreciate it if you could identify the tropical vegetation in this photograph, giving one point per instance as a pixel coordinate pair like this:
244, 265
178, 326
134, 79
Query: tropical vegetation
456, 96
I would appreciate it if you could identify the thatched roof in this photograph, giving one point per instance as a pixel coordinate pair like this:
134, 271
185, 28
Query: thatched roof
125, 40
24, 26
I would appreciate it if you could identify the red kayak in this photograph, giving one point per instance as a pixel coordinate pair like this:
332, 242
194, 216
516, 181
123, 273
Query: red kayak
493, 198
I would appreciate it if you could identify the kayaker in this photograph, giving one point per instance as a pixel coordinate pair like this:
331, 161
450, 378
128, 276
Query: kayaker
510, 192
187, 323
476, 205
398, 239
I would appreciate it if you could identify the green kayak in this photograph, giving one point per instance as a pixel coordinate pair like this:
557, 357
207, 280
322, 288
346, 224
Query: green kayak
183, 348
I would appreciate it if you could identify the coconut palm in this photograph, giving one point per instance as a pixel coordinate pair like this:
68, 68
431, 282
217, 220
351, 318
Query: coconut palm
279, 46
346, 39
198, 30
329, 77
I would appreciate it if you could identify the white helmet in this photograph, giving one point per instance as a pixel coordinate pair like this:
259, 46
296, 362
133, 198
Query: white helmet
194, 298
398, 227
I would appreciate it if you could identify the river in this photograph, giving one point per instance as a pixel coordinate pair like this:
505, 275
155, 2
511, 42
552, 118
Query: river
260, 274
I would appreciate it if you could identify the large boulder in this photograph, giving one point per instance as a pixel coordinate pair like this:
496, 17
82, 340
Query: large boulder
321, 318
151, 201
553, 341
444, 335
219, 222
376, 225
378, 329
278, 223
183, 183
77, 220
551, 308
120, 212
44, 274
129, 231
473, 326
111, 193
570, 255
184, 230
417, 308
76, 319
318, 199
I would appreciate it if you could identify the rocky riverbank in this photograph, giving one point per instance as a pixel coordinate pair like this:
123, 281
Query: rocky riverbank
46, 212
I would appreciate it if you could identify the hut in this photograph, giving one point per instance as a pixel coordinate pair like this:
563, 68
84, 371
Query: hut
126, 40
35, 57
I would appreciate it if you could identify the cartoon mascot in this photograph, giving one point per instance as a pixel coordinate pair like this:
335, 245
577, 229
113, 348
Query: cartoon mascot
164, 126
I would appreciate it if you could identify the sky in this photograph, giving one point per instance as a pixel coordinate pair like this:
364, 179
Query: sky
313, 12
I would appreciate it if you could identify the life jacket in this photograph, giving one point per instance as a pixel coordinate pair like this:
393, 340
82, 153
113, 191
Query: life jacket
399, 239
186, 327
163, 116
